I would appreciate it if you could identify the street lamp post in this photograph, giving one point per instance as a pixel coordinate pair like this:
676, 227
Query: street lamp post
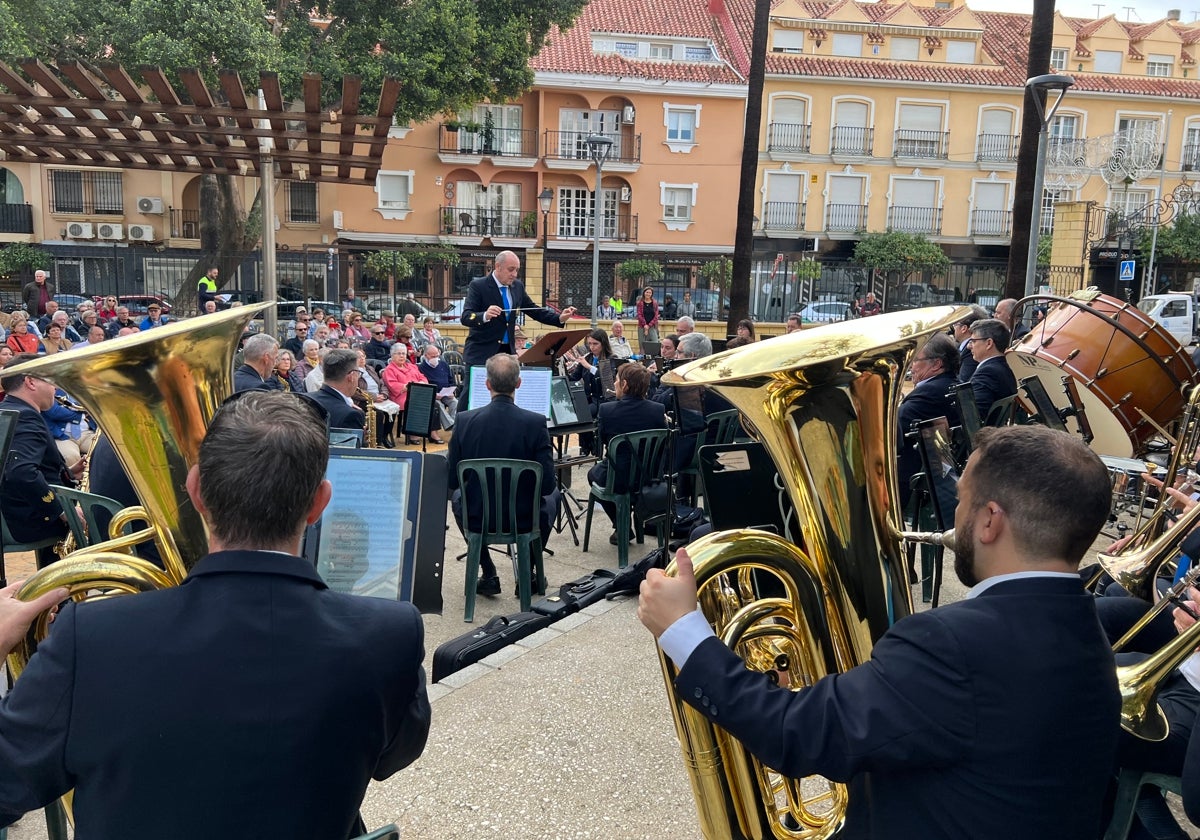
599, 147
545, 197
1047, 83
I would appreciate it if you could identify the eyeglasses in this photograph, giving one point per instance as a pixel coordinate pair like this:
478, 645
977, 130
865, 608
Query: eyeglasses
973, 339
376, 332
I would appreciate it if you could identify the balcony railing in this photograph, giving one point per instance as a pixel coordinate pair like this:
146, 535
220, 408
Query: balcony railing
622, 227
1191, 157
991, 222
783, 215
1001, 148
185, 224
915, 219
911, 143
845, 218
500, 142
482, 221
852, 140
788, 137
16, 218
572, 145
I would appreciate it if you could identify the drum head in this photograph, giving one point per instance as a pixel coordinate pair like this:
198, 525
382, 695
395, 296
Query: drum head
1110, 437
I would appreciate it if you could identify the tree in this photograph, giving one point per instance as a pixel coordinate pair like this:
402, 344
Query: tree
897, 251
640, 270
19, 258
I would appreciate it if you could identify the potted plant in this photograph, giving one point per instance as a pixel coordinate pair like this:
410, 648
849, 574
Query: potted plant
447, 221
489, 132
528, 225
470, 131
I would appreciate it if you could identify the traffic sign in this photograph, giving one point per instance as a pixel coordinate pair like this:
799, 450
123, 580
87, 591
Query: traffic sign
1127, 267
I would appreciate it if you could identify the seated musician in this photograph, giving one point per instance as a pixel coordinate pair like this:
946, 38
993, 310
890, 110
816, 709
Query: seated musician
502, 429
966, 721
339, 377
993, 379
587, 367
252, 695
630, 412
258, 365
933, 370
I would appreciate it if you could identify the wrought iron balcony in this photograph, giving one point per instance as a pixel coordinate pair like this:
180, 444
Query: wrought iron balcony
1191, 157
185, 224
482, 221
915, 219
572, 145
498, 142
16, 218
845, 218
783, 215
569, 224
788, 137
852, 140
991, 223
911, 143
1000, 148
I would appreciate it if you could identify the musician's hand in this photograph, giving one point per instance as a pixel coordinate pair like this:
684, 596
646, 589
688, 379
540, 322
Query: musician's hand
1184, 501
566, 314
1182, 619
652, 367
493, 311
78, 467
1114, 547
664, 600
16, 616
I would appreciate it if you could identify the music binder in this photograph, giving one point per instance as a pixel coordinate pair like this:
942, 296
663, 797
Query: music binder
550, 346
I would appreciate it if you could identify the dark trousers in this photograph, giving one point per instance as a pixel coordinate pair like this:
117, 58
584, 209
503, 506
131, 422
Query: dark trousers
546, 513
598, 475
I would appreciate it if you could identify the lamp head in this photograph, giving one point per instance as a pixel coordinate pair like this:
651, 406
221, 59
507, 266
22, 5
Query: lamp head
1050, 81
545, 197
598, 146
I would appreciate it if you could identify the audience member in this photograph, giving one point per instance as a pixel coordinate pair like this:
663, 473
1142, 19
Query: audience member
745, 329
400, 371
437, 372
121, 321
96, 334
428, 334
286, 373
621, 348
647, 317
44, 322
154, 317
684, 325
108, 309
372, 388
794, 321
258, 365
37, 293
20, 339
686, 308
339, 376
310, 361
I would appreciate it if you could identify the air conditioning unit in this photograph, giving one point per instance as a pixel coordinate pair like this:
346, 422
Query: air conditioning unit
626, 195
149, 205
628, 114
141, 233
339, 221
110, 231
80, 230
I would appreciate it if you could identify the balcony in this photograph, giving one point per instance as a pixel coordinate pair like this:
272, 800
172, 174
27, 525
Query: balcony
911, 143
185, 224
498, 143
852, 140
495, 224
997, 148
991, 223
620, 227
16, 218
845, 218
915, 219
789, 138
569, 150
1191, 157
783, 215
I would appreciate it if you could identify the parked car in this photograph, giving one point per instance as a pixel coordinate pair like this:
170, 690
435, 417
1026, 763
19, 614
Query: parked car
377, 305
71, 302
822, 312
706, 300
285, 310
228, 297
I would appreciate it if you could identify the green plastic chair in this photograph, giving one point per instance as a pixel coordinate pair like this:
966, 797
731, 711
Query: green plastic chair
387, 832
720, 427
650, 452
1129, 785
87, 531
489, 477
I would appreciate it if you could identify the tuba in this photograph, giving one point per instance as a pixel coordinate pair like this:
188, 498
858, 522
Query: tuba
823, 402
153, 394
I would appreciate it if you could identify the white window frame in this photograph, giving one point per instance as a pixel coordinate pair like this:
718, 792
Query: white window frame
840, 43
1007, 186
956, 52
671, 217
395, 211
658, 47
1051, 198
787, 41
1059, 56
1160, 65
681, 146
1101, 66
910, 49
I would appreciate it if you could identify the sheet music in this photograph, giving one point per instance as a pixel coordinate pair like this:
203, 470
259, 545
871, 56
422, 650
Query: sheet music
534, 393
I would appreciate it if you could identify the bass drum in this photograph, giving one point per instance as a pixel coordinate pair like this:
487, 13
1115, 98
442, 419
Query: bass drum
1125, 367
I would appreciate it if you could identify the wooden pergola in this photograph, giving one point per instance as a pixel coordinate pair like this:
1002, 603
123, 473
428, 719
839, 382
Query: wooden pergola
67, 115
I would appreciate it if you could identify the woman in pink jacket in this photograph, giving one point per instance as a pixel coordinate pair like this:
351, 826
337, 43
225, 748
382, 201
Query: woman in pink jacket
397, 374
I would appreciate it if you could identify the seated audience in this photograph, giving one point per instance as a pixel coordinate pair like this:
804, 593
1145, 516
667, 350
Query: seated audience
621, 348
400, 371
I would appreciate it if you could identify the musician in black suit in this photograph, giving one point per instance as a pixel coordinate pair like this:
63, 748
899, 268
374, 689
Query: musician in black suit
258, 365
629, 412
993, 379
34, 462
502, 429
965, 722
250, 699
340, 369
962, 334
933, 370
492, 319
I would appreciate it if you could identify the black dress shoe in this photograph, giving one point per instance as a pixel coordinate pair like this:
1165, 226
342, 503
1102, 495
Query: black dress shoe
612, 539
488, 585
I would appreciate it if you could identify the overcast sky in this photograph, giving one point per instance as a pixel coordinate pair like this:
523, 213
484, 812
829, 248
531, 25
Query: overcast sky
1142, 11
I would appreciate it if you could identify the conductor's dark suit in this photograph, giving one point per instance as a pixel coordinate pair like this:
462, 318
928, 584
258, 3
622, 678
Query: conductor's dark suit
486, 338
993, 380
249, 701
992, 717
34, 463
928, 399
341, 415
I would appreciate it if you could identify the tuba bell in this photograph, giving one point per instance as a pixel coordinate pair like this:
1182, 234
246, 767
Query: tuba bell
823, 402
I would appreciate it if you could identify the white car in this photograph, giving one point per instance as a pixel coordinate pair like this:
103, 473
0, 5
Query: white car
822, 312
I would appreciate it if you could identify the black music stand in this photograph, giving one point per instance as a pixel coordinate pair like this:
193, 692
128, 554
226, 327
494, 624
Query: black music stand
1047, 412
935, 488
418, 411
550, 346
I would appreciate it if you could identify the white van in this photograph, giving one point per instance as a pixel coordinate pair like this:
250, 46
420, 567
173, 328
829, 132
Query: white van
1176, 312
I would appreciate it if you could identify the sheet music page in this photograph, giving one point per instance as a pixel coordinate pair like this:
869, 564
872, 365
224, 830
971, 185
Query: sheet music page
479, 394
534, 393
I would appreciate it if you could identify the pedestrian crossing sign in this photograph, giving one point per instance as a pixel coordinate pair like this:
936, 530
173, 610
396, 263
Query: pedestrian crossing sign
1127, 267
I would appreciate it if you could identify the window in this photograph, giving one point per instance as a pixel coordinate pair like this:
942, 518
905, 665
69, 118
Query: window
85, 191
506, 136
960, 52
789, 130
784, 207
847, 44
662, 52
920, 132
1127, 202
394, 190
576, 210
627, 49
575, 126
1064, 127
914, 206
1159, 65
697, 54
846, 209
1191, 149
905, 49
1049, 199
996, 141
681, 122
851, 133
678, 201
1107, 61
788, 41
1058, 59
302, 202
989, 215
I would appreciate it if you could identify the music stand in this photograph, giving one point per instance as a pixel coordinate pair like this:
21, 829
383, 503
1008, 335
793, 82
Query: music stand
418, 411
940, 486
1046, 409
550, 346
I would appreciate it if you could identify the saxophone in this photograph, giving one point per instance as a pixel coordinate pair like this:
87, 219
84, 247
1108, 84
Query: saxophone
369, 436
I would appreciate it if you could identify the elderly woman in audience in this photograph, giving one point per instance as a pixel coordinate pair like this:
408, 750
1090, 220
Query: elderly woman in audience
428, 334
375, 390
287, 373
438, 373
20, 339
400, 371
55, 341
355, 332
621, 348
310, 361
6, 355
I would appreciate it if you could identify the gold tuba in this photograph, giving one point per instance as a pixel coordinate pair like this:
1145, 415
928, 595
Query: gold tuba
823, 402
153, 394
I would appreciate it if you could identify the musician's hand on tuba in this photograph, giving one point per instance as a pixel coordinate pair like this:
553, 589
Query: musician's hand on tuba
664, 600
16, 616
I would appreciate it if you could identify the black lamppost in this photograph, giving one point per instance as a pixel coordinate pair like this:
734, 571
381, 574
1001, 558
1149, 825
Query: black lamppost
545, 197
599, 147
1045, 84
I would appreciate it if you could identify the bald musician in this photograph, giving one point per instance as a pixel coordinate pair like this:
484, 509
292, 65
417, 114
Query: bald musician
250, 700
993, 717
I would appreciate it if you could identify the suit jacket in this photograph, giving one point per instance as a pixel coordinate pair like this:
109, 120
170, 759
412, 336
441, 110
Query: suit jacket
34, 463
993, 380
247, 378
341, 415
967, 721
501, 429
966, 363
929, 399
265, 712
628, 414
31, 294
485, 339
